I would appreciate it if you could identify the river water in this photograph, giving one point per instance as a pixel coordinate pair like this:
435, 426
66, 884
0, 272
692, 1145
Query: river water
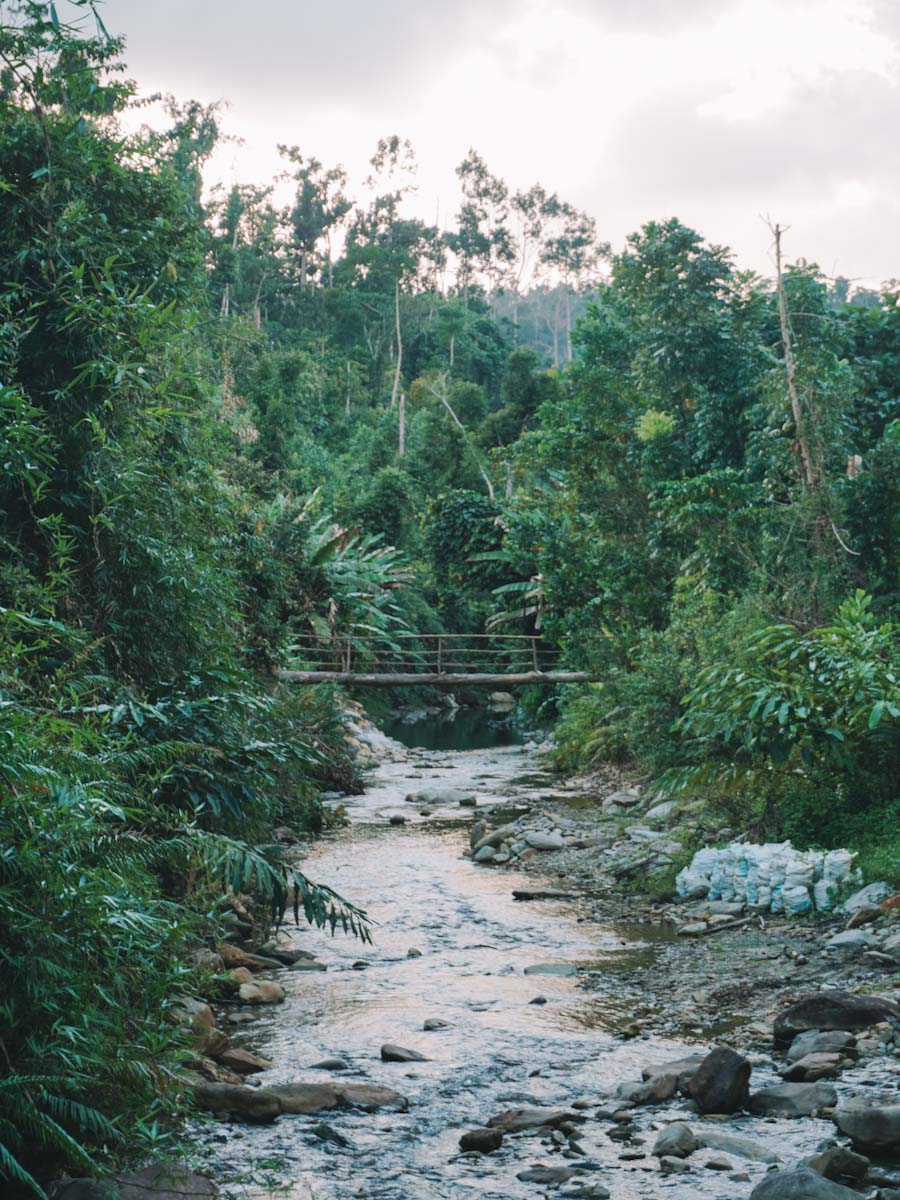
452, 943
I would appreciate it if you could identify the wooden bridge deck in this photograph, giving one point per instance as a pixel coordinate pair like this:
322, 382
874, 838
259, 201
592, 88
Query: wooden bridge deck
436, 679
428, 660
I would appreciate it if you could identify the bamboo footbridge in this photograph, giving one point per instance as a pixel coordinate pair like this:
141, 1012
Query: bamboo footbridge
429, 659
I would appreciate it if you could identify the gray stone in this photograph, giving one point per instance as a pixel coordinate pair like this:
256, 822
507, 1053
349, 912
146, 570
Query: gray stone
670, 1165
392, 1053
835, 1041
685, 1068
676, 1141
514, 1120
732, 1143
722, 1082
870, 1126
494, 837
800, 1184
330, 1064
544, 841
837, 1162
434, 1023
485, 1141
546, 1174
485, 855
261, 991
255, 1105
850, 941
815, 1066
792, 1100
866, 897
833, 1010
165, 1181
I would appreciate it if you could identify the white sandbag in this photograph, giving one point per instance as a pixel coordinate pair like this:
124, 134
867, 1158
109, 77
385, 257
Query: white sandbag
796, 900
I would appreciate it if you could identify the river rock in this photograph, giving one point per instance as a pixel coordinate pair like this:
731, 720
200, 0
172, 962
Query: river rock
800, 1184
330, 1064
397, 819
833, 1010
476, 833
392, 1053
815, 1066
494, 838
837, 1162
670, 1164
197, 1014
165, 1181
721, 1083
851, 941
538, 840
685, 1068
792, 1100
234, 956
551, 1175
255, 1105
867, 897
370, 1097
243, 1062
486, 854
434, 1023
835, 1041
655, 1090
514, 1120
261, 991
211, 1041
871, 1126
485, 1141
676, 1141
299, 1098
732, 1143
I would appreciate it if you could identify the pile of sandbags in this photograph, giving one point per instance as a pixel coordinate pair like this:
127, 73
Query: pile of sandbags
773, 877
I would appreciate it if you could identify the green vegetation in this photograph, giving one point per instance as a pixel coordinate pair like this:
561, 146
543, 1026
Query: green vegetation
236, 431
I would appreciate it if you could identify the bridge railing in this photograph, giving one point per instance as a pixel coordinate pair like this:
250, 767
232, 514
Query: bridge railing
426, 654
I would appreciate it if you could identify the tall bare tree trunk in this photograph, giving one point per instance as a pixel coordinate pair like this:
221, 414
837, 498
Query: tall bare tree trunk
568, 324
401, 447
396, 388
452, 348
809, 474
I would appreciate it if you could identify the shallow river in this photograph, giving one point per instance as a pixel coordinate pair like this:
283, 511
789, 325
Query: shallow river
452, 943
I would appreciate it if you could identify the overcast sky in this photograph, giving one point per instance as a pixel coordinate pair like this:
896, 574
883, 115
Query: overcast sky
714, 111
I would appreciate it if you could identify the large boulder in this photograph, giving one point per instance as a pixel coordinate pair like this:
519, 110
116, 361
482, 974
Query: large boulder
300, 1098
870, 1126
835, 1041
866, 897
800, 1184
837, 1162
255, 1105
792, 1100
721, 1083
242, 1062
165, 1181
833, 1010
816, 1066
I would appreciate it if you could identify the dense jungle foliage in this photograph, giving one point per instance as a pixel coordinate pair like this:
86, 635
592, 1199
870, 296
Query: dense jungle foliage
235, 428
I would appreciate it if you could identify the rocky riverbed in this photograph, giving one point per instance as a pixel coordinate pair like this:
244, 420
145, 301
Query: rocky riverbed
532, 1026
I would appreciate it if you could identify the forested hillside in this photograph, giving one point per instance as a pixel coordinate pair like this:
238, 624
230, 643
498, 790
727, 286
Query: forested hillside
231, 421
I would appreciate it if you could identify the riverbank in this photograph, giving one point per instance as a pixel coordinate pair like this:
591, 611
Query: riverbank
474, 1005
